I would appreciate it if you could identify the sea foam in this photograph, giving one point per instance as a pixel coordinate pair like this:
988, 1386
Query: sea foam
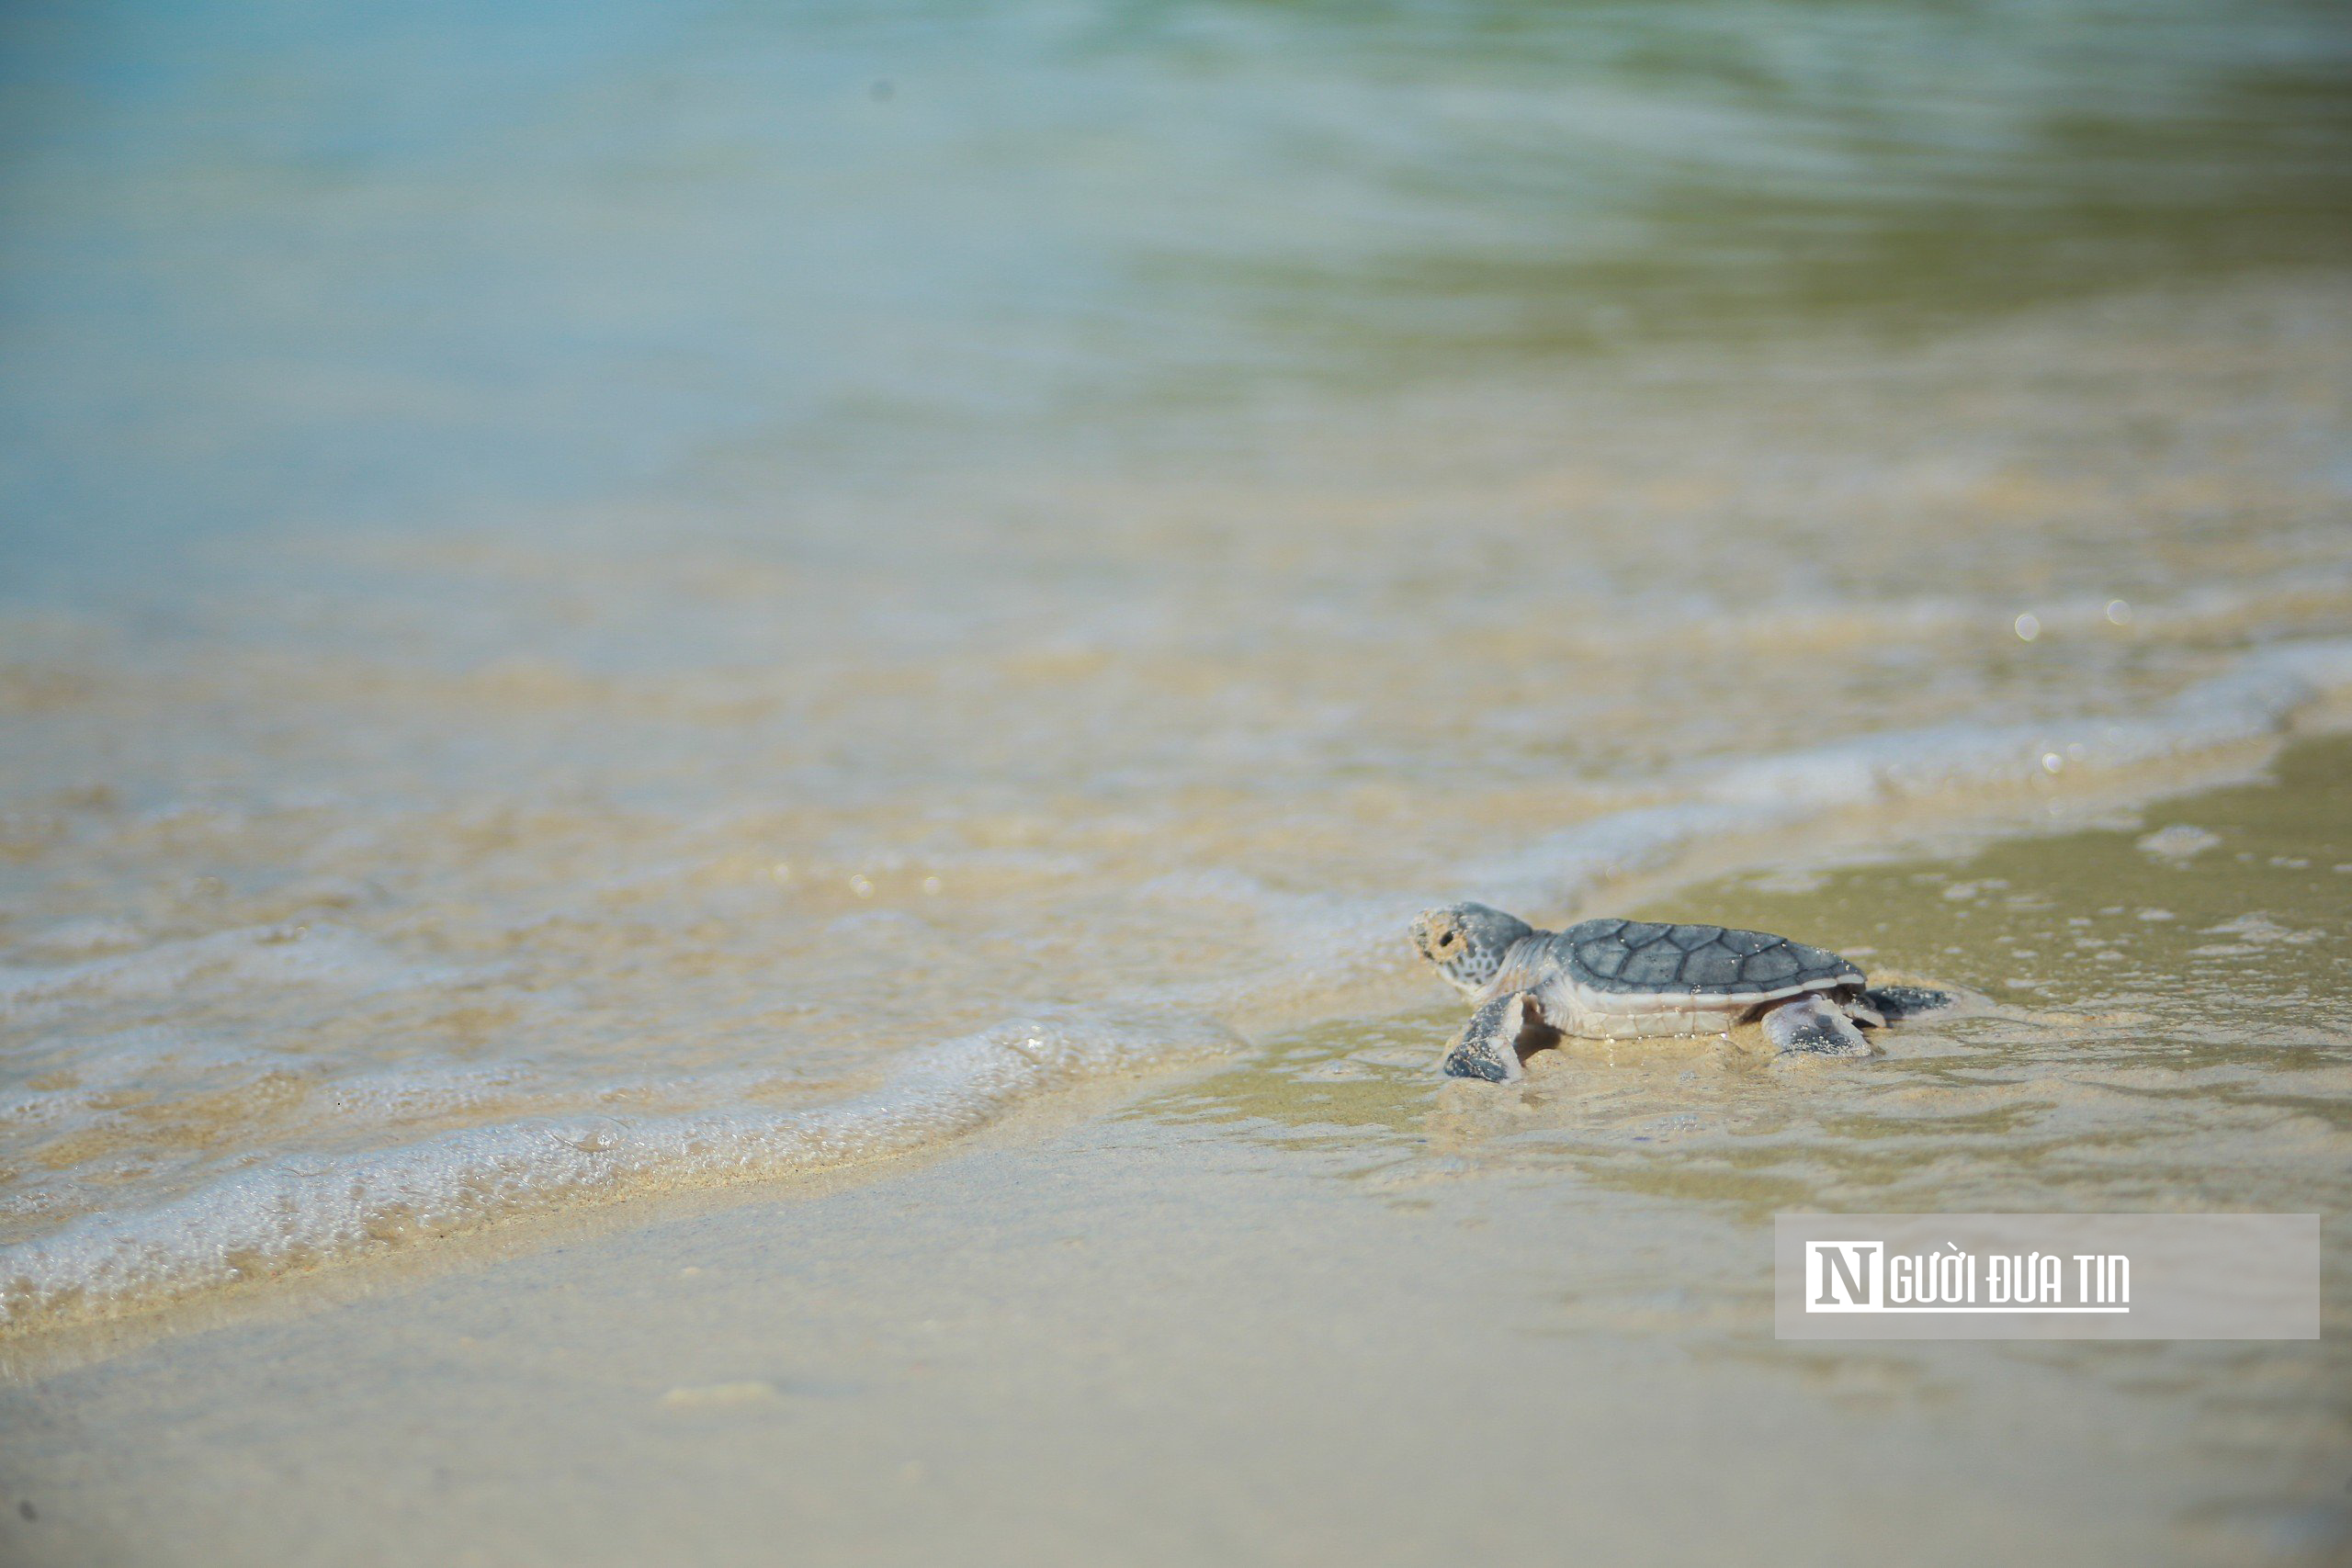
293, 1212
2254, 699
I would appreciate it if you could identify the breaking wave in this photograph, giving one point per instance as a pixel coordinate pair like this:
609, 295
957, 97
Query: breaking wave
295, 1213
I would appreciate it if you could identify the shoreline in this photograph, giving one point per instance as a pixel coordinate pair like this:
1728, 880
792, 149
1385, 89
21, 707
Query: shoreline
1896, 828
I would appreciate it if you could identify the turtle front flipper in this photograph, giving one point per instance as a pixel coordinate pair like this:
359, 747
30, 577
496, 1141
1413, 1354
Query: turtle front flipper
1814, 1025
1487, 1047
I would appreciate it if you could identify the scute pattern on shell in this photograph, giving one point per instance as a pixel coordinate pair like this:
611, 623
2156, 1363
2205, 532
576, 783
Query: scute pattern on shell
1645, 957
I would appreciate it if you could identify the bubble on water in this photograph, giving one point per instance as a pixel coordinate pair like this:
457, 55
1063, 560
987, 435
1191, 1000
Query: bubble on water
2119, 612
2028, 626
2178, 842
2052, 762
719, 1396
2261, 930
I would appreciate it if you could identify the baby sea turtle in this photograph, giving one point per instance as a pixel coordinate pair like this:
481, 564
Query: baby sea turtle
1626, 979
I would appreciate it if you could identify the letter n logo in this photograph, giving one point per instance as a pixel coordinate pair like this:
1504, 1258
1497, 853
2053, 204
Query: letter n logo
1844, 1276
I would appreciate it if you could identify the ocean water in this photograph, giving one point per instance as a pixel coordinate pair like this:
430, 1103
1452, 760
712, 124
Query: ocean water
607, 599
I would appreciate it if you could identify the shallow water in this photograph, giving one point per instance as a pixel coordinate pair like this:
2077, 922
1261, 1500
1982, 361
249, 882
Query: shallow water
2155, 1015
2157, 1018
744, 594
1321, 1306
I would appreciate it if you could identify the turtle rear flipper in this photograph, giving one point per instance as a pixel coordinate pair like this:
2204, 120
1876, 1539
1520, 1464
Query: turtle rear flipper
1895, 1003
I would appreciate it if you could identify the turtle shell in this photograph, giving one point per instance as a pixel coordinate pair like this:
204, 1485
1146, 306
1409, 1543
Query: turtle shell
1643, 958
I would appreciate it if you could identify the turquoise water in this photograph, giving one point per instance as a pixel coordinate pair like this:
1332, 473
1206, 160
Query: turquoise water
293, 266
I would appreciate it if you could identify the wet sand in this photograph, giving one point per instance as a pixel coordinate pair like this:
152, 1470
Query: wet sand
1319, 1306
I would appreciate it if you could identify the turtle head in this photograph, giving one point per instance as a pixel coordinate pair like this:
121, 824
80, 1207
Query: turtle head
1468, 942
